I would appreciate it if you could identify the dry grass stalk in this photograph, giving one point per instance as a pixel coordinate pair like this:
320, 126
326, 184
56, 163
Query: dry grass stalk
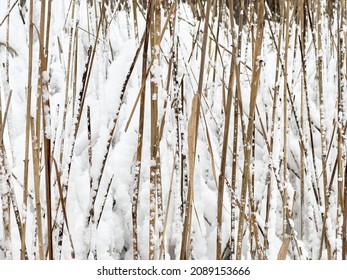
90, 149
302, 120
6, 82
27, 130
319, 65
286, 9
62, 201
282, 254
5, 204
192, 141
9, 10
67, 83
154, 167
46, 118
340, 119
136, 28
221, 177
238, 111
254, 91
344, 226
5, 188
36, 168
140, 135
272, 128
165, 220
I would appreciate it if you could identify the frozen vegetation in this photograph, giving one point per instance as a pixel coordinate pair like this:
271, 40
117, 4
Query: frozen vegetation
173, 129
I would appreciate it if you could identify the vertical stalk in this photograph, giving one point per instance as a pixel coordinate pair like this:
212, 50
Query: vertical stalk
322, 125
27, 130
256, 67
285, 120
238, 110
67, 82
302, 106
47, 135
344, 226
272, 130
36, 169
5, 192
140, 136
41, 89
155, 40
340, 113
221, 177
136, 29
192, 141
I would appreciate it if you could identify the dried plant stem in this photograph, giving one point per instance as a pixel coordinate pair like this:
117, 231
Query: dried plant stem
221, 177
140, 135
340, 119
319, 64
285, 121
5, 188
302, 120
27, 130
36, 167
254, 91
272, 129
155, 31
63, 206
238, 111
193, 127
344, 226
47, 124
67, 83
136, 28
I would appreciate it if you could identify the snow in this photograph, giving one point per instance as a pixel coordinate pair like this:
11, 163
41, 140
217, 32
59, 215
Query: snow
112, 238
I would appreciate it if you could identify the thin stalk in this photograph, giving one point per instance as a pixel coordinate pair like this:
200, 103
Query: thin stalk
140, 136
340, 115
47, 129
254, 91
285, 121
36, 169
5, 192
193, 126
221, 177
155, 40
136, 29
27, 130
319, 64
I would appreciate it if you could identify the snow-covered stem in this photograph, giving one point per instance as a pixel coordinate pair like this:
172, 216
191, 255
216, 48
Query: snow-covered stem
46, 119
5, 195
137, 164
302, 43
62, 201
136, 28
221, 177
193, 128
90, 147
27, 129
271, 132
319, 64
67, 83
36, 168
256, 68
285, 12
341, 88
155, 28
7, 80
5, 204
